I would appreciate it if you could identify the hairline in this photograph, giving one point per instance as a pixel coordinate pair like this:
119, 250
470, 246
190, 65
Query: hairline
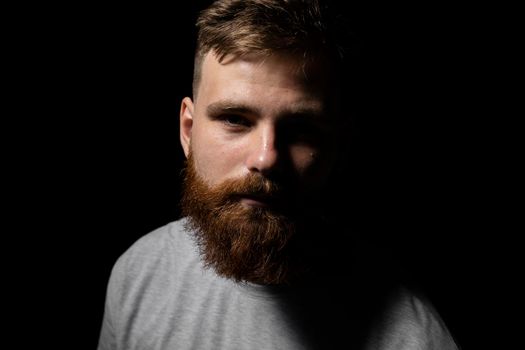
303, 63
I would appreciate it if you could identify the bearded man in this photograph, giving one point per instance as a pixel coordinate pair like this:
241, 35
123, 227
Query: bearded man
256, 263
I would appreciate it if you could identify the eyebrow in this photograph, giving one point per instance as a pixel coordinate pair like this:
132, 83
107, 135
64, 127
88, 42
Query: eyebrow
300, 110
227, 106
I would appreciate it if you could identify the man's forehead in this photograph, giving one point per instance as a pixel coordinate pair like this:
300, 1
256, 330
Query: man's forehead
307, 69
247, 84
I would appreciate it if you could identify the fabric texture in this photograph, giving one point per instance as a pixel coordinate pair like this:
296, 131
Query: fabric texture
160, 296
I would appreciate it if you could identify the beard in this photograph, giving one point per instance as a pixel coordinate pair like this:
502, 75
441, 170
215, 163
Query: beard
243, 242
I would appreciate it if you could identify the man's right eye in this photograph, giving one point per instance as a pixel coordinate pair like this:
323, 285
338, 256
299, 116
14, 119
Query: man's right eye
236, 121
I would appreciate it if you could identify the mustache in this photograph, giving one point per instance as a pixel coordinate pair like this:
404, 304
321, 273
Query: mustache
252, 185
228, 193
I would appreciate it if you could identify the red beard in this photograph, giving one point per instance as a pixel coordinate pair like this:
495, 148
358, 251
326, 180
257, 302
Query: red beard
244, 243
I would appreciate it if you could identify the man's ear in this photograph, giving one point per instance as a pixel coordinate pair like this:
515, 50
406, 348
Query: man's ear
186, 124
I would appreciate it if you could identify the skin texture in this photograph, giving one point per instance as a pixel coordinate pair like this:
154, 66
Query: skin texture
268, 116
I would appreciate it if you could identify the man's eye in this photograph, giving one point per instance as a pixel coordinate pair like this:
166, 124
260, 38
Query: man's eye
235, 120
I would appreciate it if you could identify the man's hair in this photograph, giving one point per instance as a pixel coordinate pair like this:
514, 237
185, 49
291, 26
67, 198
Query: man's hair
306, 28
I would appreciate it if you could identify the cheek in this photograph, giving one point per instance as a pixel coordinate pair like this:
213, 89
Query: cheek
303, 158
313, 165
214, 158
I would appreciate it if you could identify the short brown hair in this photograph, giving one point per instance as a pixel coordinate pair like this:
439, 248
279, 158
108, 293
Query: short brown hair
239, 27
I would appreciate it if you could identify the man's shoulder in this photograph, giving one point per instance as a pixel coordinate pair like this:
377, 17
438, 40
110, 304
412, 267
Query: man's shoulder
164, 237
157, 248
410, 321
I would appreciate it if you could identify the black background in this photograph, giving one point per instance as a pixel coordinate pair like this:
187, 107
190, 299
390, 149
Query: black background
100, 154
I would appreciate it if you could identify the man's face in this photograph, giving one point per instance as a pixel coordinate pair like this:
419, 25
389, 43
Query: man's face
260, 116
261, 144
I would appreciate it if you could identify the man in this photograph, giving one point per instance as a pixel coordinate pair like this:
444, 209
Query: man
258, 262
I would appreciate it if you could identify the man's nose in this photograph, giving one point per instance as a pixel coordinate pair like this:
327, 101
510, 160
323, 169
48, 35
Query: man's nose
263, 154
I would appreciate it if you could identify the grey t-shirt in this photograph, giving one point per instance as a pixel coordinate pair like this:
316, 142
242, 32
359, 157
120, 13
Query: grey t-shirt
160, 296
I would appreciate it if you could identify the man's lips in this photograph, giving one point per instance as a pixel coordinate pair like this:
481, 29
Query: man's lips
254, 202
259, 200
